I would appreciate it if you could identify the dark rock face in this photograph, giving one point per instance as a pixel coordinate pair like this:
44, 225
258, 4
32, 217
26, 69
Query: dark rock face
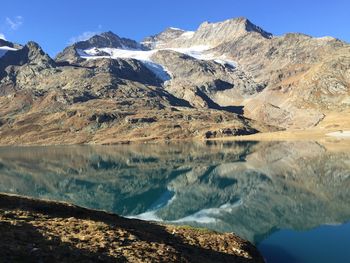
31, 53
228, 132
3, 43
129, 69
20, 68
141, 120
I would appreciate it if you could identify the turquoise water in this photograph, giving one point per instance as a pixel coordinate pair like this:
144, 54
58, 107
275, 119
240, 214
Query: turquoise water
291, 199
322, 244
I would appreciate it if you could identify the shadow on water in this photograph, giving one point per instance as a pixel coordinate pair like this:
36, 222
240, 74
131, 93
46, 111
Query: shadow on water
276, 254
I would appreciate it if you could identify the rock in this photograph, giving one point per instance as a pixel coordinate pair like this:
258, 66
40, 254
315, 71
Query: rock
229, 132
141, 120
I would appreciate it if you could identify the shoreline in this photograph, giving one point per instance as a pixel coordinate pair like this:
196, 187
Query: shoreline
34, 229
334, 124
287, 135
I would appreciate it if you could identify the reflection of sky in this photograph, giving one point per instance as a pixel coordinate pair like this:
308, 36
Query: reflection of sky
325, 244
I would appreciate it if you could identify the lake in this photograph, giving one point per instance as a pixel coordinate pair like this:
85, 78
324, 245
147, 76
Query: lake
291, 199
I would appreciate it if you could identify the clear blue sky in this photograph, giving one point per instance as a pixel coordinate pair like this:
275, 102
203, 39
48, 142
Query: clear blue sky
53, 24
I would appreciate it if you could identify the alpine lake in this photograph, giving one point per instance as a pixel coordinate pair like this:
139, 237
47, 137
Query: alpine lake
290, 199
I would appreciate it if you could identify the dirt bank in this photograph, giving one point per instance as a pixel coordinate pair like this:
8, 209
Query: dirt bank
45, 231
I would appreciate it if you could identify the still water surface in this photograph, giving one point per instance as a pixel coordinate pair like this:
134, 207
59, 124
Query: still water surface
291, 199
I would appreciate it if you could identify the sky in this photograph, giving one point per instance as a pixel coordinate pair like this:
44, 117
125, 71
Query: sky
55, 24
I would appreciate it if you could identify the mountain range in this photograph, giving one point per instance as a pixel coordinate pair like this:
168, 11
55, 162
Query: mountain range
224, 79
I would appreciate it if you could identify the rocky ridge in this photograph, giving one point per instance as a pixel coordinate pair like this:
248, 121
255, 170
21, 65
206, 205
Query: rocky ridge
232, 75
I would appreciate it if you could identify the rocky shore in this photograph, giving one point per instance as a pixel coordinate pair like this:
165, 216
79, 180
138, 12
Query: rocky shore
47, 231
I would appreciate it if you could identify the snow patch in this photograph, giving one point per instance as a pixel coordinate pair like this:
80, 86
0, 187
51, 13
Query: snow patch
194, 51
151, 215
4, 49
201, 52
176, 28
204, 216
198, 52
187, 34
116, 53
147, 216
158, 70
207, 216
141, 55
339, 134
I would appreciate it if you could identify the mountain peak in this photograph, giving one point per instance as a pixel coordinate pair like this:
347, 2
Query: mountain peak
34, 46
250, 27
165, 36
208, 34
237, 26
109, 32
31, 53
104, 40
107, 40
108, 35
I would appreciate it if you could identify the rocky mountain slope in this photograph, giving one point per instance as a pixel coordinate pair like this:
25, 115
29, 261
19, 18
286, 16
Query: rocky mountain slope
226, 78
294, 72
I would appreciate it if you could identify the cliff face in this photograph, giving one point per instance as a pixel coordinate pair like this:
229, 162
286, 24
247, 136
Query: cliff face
226, 78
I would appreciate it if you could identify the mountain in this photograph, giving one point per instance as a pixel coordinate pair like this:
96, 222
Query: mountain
232, 76
291, 73
209, 34
164, 37
72, 53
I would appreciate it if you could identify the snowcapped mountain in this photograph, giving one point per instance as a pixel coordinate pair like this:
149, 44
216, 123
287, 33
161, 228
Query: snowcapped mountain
208, 34
104, 40
164, 37
109, 45
219, 75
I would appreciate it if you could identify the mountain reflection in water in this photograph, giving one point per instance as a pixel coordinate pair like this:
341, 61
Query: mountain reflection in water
250, 188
